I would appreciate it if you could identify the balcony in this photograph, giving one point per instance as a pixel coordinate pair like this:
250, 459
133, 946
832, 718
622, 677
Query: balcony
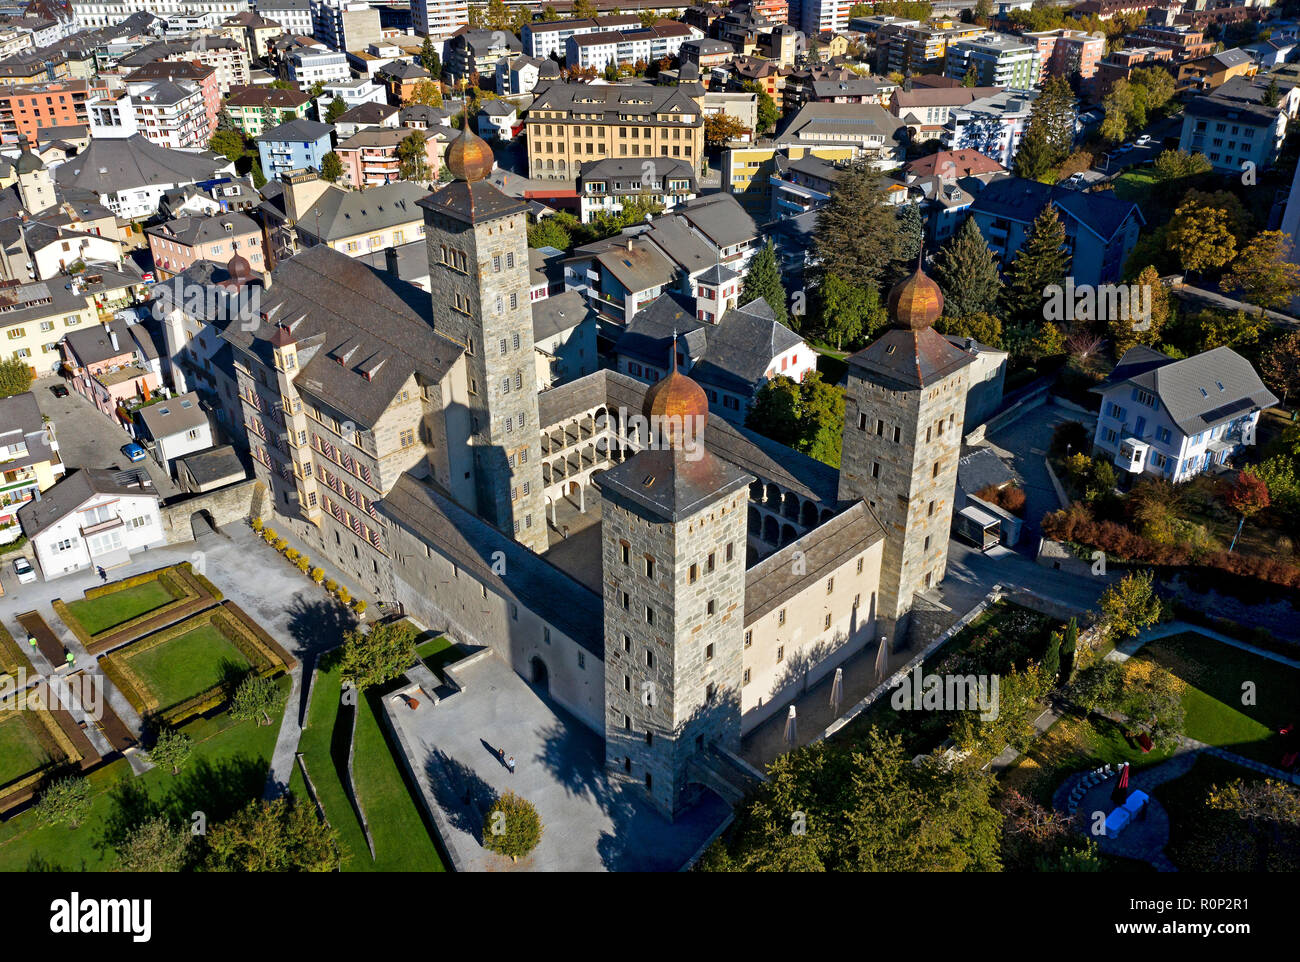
88, 530
1131, 455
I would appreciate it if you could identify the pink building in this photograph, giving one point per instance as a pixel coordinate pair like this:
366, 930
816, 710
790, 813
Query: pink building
188, 70
107, 368
369, 157
1064, 52
177, 244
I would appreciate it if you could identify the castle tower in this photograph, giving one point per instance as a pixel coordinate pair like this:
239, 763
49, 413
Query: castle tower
673, 552
35, 183
477, 240
906, 395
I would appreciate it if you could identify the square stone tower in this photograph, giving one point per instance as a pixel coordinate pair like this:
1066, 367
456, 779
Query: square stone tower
673, 530
903, 413
477, 239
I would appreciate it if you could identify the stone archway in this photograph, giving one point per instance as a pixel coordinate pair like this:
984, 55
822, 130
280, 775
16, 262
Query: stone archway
541, 675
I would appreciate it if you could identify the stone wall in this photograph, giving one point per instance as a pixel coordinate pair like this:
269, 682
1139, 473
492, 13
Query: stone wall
234, 503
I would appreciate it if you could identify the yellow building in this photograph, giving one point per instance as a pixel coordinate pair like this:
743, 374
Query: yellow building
747, 169
39, 315
29, 459
572, 124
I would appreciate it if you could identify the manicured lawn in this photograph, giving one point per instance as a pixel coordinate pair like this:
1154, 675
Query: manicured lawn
20, 751
1135, 185
437, 652
1071, 745
1218, 678
110, 610
226, 770
188, 664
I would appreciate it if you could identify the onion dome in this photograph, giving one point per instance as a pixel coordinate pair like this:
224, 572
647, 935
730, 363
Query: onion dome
675, 405
917, 302
469, 158
240, 271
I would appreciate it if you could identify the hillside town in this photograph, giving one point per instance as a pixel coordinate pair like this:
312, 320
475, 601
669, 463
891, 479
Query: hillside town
784, 435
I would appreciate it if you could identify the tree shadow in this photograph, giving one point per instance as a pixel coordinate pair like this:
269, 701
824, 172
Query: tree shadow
461, 794
317, 628
217, 791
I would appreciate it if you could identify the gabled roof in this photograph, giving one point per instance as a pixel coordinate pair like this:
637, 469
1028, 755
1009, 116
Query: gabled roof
75, 490
298, 130
176, 414
1021, 200
110, 165
341, 213
1198, 392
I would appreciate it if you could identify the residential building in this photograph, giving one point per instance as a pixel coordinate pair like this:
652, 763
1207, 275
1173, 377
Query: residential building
183, 72
921, 47
27, 111
174, 428
370, 157
1209, 73
998, 60
294, 145
564, 338
1175, 419
571, 124
171, 115
439, 18
310, 213
1066, 53
604, 186
108, 368
817, 16
926, 111
875, 134
992, 125
175, 245
748, 169
627, 48
366, 116
312, 65
1121, 64
252, 31
401, 80
1185, 42
293, 15
29, 459
740, 106
256, 109
92, 519
1233, 127
477, 52
226, 57
35, 317
543, 40
1100, 229
344, 25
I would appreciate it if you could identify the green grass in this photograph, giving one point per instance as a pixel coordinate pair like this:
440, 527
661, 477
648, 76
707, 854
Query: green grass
1215, 675
227, 769
20, 751
402, 842
1184, 799
1136, 185
188, 664
110, 610
437, 652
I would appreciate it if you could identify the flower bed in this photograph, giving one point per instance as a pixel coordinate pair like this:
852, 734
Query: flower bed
12, 657
303, 563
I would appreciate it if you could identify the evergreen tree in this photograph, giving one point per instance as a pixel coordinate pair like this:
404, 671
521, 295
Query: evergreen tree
857, 232
1052, 658
764, 280
911, 228
1069, 644
1272, 94
971, 77
967, 273
1040, 264
1050, 136
331, 168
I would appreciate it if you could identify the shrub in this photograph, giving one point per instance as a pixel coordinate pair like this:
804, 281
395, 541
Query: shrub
66, 800
317, 575
281, 544
331, 585
292, 554
511, 826
303, 563
344, 595
1071, 437
359, 606
269, 535
256, 524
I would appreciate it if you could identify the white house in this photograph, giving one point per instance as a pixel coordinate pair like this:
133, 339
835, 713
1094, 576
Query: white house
174, 428
1175, 419
92, 518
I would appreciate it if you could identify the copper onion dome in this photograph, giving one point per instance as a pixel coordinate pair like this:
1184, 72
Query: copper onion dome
674, 403
469, 158
916, 302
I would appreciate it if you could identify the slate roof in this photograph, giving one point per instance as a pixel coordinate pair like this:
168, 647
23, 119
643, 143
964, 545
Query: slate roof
615, 99
472, 202
475, 546
176, 414
110, 165
368, 113
359, 341
554, 315
774, 581
672, 483
1198, 392
92, 345
214, 464
1021, 200
298, 130
20, 420
342, 213
76, 489
909, 359
258, 95
192, 231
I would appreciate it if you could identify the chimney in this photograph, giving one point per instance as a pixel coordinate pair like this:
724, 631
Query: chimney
112, 338
390, 260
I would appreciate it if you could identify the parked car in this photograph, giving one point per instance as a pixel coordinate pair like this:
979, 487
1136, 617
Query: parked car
58, 390
24, 570
1076, 180
1144, 140
133, 451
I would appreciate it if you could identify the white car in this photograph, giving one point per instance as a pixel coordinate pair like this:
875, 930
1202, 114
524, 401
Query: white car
1143, 140
24, 570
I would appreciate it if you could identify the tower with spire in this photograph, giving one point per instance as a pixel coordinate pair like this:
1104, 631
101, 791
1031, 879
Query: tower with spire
673, 528
477, 240
903, 413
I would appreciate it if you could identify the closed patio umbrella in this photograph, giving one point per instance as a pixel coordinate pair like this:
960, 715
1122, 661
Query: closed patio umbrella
791, 728
837, 691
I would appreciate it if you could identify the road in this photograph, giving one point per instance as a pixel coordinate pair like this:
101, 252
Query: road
1200, 298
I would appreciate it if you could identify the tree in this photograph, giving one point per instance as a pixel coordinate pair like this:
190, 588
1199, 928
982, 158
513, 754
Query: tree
1202, 232
512, 827
1272, 94
1040, 263
171, 749
426, 92
275, 836
231, 144
967, 273
720, 129
549, 232
1245, 826
1179, 165
155, 845
584, 10
983, 327
1118, 106
1098, 687
1279, 367
331, 168
550, 14
1069, 646
972, 76
857, 231
911, 227
412, 157
15, 377
776, 410
255, 698
1052, 657
429, 58
863, 806
1237, 330
768, 115
379, 654
807, 415
1130, 605
1140, 326
1248, 495
65, 800
1153, 699
848, 311
335, 110
764, 280
1050, 135
1263, 272
1156, 84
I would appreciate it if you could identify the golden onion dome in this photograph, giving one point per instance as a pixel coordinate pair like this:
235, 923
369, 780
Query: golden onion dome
916, 302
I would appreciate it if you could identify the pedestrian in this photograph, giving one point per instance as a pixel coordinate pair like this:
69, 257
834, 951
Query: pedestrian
501, 755
103, 575
510, 764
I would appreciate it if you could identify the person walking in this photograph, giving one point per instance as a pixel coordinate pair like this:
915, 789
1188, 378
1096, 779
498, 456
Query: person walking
510, 764
103, 575
501, 754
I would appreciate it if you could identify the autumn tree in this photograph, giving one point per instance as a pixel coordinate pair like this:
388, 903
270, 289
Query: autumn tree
426, 92
1204, 230
1244, 826
154, 845
983, 327
1142, 325
720, 129
1280, 366
15, 377
1041, 263
1130, 605
1117, 105
1178, 165
377, 655
967, 273
1263, 272
512, 827
1248, 495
